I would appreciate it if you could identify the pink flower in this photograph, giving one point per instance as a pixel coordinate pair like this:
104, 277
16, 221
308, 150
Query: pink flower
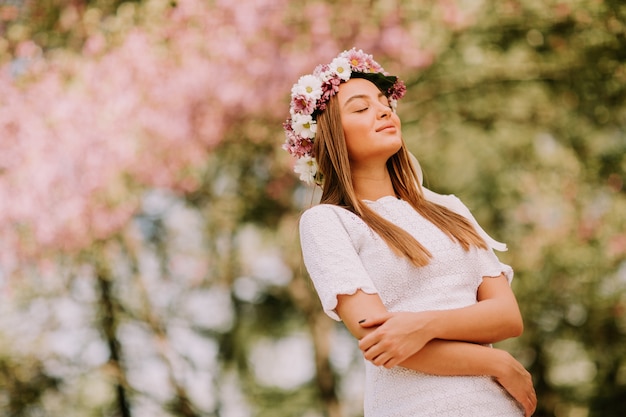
358, 60
373, 65
303, 104
398, 90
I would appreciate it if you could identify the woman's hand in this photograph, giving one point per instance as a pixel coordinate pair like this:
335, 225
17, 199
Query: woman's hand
518, 382
397, 336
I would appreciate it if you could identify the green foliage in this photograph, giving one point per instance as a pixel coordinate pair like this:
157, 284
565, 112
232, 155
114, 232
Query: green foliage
23, 382
536, 97
53, 24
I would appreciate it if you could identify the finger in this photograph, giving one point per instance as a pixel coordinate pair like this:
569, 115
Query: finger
533, 404
528, 409
372, 353
377, 354
381, 359
391, 363
368, 341
374, 321
530, 405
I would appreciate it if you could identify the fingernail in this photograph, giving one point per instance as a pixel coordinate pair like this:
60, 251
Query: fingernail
362, 321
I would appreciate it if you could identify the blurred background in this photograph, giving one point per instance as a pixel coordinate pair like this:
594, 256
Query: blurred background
149, 252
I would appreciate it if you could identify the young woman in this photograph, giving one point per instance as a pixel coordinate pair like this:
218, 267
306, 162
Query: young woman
409, 272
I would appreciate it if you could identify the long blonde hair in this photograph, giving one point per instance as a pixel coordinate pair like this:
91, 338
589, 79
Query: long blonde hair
331, 153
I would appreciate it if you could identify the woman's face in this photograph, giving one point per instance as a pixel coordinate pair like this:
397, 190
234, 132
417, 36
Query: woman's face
372, 130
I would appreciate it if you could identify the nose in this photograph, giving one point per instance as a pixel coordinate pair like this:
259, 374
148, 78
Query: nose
384, 112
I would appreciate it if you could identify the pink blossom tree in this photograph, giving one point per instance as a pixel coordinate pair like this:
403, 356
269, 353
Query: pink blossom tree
142, 105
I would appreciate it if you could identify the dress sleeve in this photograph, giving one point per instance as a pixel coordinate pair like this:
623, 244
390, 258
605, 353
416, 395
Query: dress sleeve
490, 265
329, 240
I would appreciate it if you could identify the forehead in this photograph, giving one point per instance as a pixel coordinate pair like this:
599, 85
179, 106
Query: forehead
356, 86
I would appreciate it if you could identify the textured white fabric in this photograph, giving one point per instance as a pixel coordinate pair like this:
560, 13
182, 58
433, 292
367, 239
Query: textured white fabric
342, 254
453, 203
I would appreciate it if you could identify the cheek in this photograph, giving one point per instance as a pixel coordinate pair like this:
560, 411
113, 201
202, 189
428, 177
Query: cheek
396, 119
353, 133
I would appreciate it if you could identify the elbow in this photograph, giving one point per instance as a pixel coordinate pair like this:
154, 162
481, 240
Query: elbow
516, 326
507, 330
517, 329
512, 322
510, 326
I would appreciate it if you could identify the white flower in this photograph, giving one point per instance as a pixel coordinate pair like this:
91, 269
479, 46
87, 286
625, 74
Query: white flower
304, 125
394, 105
326, 75
306, 167
341, 67
308, 85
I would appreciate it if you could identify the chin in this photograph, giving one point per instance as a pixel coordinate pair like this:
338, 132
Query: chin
391, 151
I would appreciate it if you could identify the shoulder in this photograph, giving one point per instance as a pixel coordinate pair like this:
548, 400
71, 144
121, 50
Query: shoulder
452, 202
326, 213
331, 221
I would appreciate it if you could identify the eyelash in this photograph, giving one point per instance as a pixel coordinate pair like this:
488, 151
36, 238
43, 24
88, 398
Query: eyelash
364, 109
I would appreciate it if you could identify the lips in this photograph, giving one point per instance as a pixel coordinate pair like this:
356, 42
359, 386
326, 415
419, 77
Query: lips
385, 127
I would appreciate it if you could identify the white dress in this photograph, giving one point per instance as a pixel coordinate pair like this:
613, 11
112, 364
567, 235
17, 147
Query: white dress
342, 254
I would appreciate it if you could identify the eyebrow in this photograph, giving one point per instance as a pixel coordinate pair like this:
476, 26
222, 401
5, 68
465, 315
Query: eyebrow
364, 96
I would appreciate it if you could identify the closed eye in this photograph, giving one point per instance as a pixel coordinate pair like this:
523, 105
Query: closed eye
361, 110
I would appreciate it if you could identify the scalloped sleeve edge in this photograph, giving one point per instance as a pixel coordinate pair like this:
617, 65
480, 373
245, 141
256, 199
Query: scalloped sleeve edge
330, 304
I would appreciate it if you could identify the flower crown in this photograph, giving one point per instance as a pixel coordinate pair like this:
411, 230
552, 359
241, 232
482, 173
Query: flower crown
310, 95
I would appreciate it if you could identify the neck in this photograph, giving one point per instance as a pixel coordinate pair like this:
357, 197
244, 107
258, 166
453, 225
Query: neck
372, 185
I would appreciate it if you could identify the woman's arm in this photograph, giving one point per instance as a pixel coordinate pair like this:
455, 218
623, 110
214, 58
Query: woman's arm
445, 357
387, 339
441, 357
493, 318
